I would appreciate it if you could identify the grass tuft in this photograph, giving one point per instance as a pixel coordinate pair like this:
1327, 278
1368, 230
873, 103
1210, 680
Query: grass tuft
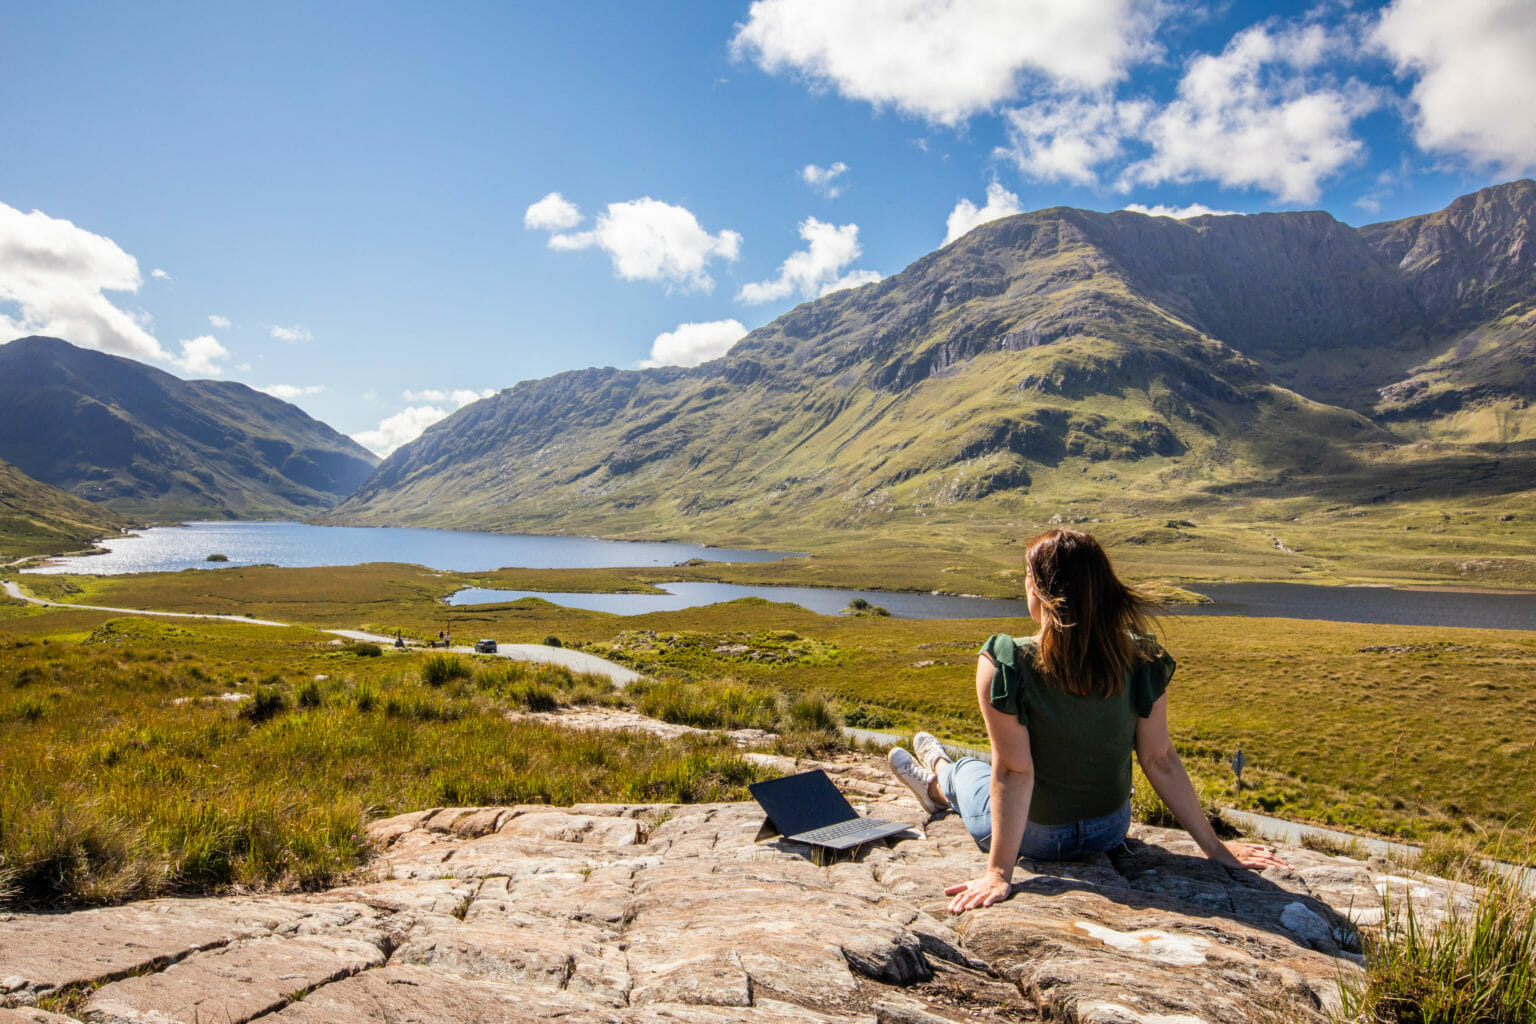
438, 669
267, 701
1351, 847
309, 694
1451, 856
718, 704
1475, 968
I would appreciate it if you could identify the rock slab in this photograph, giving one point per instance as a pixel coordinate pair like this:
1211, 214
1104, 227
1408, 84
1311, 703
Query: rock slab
634, 913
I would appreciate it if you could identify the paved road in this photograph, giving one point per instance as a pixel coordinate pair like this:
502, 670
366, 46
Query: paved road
16, 592
576, 661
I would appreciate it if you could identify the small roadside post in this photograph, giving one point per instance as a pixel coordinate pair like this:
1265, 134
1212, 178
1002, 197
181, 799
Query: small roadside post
1239, 762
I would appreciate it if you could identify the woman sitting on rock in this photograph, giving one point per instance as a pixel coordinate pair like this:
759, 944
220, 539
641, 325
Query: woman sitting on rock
1064, 709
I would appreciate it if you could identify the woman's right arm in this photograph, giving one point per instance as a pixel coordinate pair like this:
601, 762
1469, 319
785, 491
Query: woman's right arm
1013, 784
1160, 761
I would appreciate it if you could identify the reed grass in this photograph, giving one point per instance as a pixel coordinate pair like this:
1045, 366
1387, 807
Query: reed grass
440, 668
722, 704
1476, 967
140, 775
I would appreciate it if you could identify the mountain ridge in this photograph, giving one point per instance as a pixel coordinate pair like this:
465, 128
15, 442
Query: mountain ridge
1033, 356
146, 443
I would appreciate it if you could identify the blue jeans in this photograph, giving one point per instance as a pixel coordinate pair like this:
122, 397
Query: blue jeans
967, 785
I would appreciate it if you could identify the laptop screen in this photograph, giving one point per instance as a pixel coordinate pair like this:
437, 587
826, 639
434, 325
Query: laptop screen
799, 803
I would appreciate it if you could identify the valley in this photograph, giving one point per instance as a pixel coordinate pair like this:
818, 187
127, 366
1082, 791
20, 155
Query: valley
1270, 398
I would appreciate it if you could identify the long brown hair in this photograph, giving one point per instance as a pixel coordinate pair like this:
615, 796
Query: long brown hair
1085, 644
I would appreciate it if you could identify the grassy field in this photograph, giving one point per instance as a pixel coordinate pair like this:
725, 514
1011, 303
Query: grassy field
1402, 731
141, 756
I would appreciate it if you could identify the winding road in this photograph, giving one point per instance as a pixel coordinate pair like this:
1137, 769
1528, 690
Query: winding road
576, 661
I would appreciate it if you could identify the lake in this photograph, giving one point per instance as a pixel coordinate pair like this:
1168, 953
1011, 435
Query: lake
294, 545
1380, 605
826, 600
1385, 605
171, 548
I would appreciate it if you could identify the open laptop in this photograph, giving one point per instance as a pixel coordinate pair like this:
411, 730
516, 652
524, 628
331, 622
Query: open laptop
807, 808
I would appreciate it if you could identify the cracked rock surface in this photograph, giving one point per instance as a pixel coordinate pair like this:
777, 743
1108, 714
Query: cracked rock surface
639, 913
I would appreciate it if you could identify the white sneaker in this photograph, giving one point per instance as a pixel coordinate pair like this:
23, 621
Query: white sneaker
929, 750
915, 777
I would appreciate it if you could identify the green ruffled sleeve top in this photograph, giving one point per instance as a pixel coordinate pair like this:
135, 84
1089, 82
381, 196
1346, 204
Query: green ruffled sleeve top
1081, 746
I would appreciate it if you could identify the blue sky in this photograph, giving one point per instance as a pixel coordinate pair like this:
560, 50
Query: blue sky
381, 211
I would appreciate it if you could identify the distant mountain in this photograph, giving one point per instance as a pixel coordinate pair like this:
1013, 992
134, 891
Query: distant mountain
1057, 356
36, 518
145, 443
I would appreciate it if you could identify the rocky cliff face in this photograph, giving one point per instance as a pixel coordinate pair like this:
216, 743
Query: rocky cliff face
650, 914
1469, 262
141, 441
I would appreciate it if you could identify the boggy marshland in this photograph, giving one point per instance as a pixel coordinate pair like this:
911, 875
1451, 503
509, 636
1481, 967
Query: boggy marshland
130, 770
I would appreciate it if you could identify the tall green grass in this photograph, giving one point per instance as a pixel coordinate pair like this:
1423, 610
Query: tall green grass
141, 778
719, 704
806, 724
1477, 967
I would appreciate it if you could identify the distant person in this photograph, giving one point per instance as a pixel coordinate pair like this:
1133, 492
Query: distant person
1064, 709
399, 638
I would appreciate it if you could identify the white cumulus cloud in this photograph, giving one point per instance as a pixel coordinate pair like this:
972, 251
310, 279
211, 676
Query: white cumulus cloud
692, 344
823, 179
460, 397
1261, 114
817, 269
221, 322
944, 61
298, 332
288, 392
428, 406
967, 215
1068, 138
404, 426
649, 240
1178, 212
1475, 61
56, 273
159, 274
202, 355
552, 213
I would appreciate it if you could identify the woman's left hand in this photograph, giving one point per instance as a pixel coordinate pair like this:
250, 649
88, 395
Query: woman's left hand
1253, 855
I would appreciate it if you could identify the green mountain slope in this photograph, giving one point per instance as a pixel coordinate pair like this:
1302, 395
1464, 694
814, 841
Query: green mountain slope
37, 519
146, 443
1058, 359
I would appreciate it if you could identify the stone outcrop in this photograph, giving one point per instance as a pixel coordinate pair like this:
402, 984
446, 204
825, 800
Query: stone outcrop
644, 913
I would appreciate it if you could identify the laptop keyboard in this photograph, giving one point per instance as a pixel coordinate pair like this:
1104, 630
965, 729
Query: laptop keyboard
841, 829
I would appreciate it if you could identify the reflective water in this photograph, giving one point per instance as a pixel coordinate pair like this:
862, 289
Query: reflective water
825, 600
1261, 600
1384, 605
169, 548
